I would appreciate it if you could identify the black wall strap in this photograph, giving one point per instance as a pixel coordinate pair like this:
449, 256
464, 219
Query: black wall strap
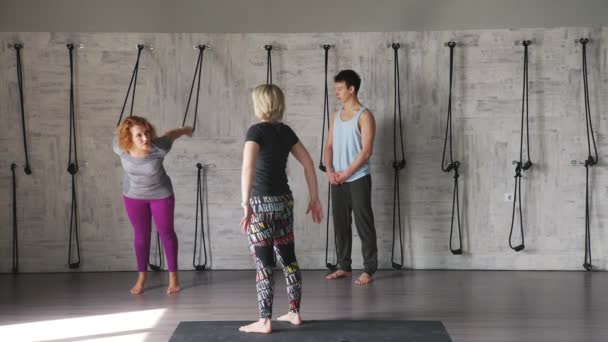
201, 204
132, 83
592, 159
397, 164
454, 165
159, 254
269, 81
268, 64
197, 74
72, 170
329, 265
18, 48
519, 164
15, 231
326, 118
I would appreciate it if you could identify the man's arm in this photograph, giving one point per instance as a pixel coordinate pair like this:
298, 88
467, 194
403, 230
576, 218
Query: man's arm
329, 152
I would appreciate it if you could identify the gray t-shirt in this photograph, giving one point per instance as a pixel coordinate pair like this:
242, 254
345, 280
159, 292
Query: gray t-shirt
145, 177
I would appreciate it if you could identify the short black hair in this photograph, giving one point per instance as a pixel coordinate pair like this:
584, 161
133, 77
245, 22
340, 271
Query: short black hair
350, 78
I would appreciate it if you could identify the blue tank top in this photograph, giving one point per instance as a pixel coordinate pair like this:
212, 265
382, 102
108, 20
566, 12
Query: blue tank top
347, 145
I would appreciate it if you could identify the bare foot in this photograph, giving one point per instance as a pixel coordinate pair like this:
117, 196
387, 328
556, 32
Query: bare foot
338, 274
173, 283
262, 326
364, 279
291, 317
138, 288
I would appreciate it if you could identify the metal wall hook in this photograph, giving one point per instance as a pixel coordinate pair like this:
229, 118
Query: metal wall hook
143, 46
74, 45
205, 166
273, 46
525, 42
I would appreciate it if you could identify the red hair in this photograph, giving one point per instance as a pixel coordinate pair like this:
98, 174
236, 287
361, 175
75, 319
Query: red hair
124, 131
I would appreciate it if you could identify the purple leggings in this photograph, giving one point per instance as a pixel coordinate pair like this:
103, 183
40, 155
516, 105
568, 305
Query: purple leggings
140, 212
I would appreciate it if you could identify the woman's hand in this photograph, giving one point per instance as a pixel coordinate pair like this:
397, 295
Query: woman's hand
188, 130
246, 220
316, 211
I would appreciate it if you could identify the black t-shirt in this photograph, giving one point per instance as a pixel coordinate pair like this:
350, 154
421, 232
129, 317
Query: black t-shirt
276, 141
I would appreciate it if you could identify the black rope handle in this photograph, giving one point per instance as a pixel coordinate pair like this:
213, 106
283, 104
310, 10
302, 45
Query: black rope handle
520, 165
201, 201
329, 265
326, 117
525, 101
18, 48
453, 165
197, 74
72, 162
322, 167
74, 229
73, 169
269, 81
158, 266
268, 64
15, 268
397, 164
592, 160
132, 83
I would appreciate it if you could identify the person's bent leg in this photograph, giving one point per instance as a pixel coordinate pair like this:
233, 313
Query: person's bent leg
139, 215
341, 210
261, 247
163, 212
364, 220
285, 250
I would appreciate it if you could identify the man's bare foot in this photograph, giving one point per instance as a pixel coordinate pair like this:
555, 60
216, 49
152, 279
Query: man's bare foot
364, 279
262, 326
173, 283
291, 317
338, 274
138, 288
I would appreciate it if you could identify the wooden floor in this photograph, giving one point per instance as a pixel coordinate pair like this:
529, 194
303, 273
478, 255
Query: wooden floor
483, 306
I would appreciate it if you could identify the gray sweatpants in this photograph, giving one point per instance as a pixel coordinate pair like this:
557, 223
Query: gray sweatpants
354, 198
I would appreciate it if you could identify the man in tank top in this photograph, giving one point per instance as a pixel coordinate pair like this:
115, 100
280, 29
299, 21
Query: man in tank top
349, 146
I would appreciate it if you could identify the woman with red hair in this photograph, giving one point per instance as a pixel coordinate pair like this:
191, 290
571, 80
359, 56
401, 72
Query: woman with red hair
148, 192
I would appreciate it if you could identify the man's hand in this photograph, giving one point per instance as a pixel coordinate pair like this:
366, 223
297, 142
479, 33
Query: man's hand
341, 177
332, 177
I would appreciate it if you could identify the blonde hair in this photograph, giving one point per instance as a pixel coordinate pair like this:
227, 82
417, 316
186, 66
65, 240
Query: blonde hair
268, 102
124, 131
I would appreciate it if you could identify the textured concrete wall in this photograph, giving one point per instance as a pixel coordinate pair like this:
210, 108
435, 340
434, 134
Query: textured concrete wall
294, 16
487, 95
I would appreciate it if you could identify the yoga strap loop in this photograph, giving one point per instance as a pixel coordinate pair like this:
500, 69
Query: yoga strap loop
197, 74
453, 165
132, 83
397, 164
72, 170
520, 165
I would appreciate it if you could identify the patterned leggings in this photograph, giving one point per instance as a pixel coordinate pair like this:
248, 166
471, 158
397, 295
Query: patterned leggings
271, 229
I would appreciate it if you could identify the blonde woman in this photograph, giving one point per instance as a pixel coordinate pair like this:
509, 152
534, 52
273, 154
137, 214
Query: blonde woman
148, 192
267, 202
